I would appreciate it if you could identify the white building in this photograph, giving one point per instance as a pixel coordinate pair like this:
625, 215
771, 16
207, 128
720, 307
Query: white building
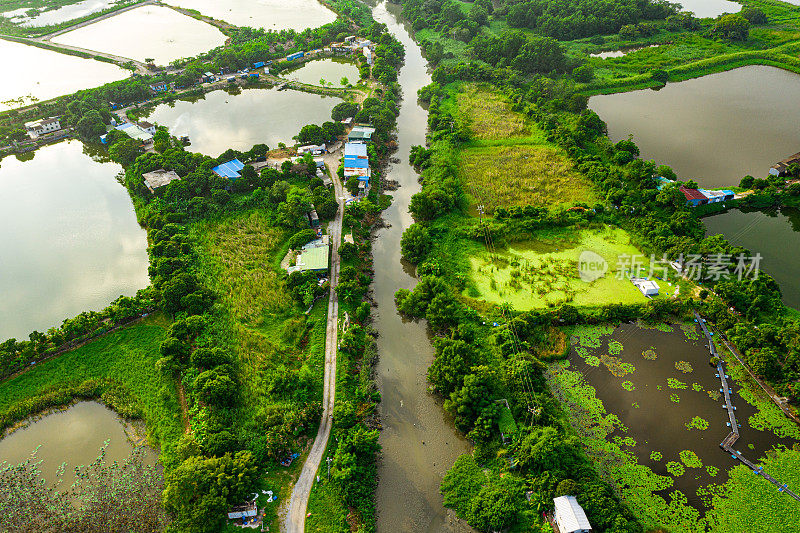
146, 126
569, 516
368, 54
40, 127
647, 286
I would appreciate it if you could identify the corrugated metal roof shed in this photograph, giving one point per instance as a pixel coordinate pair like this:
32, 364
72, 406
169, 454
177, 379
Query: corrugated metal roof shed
134, 131
355, 150
692, 194
570, 516
158, 178
313, 258
360, 133
355, 163
230, 169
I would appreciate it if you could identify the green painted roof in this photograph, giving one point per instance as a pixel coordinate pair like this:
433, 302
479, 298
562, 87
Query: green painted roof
314, 258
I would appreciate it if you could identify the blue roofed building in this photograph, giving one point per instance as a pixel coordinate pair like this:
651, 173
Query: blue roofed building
356, 161
231, 169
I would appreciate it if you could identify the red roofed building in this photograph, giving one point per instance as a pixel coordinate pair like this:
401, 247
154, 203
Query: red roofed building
694, 197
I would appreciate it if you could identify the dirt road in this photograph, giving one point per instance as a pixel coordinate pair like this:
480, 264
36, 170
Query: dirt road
296, 515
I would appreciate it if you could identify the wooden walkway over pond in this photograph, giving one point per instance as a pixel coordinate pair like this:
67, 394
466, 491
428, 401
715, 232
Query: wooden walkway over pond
728, 442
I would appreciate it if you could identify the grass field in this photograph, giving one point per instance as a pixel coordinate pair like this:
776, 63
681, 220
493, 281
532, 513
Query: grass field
543, 272
127, 356
508, 176
241, 250
489, 115
273, 340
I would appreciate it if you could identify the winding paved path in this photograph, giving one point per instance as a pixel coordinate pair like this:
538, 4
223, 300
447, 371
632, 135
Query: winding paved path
296, 516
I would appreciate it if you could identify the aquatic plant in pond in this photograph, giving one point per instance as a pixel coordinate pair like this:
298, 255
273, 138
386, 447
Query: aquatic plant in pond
674, 398
697, 422
690, 459
615, 347
593, 360
714, 394
656, 456
675, 468
616, 366
625, 441
676, 383
628, 386
589, 336
712, 470
639, 486
683, 366
660, 326
650, 354
635, 405
690, 331
697, 387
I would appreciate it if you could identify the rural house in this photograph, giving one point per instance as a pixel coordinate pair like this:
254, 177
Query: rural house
781, 167
40, 127
231, 169
159, 178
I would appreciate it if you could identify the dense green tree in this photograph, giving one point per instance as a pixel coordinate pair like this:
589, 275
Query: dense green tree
733, 26
200, 490
416, 243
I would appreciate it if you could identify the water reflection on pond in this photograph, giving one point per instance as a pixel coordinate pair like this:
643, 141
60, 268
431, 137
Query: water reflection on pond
220, 120
61, 14
75, 436
70, 237
775, 235
328, 72
709, 8
275, 15
44, 74
169, 35
715, 129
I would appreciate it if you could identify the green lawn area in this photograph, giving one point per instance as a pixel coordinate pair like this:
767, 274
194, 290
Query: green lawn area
543, 271
127, 356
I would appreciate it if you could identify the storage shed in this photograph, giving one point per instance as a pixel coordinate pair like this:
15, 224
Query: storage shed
570, 516
159, 178
231, 169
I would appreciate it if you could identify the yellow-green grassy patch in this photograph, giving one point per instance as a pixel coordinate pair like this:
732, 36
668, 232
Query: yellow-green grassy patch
489, 115
240, 251
544, 271
509, 176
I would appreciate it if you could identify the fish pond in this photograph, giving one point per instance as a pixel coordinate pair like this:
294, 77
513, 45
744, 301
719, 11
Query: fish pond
220, 120
154, 32
326, 72
775, 234
275, 15
42, 16
646, 403
40, 74
74, 436
70, 236
709, 8
715, 129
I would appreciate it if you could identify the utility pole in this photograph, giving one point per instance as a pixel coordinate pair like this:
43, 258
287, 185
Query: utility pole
480, 214
328, 460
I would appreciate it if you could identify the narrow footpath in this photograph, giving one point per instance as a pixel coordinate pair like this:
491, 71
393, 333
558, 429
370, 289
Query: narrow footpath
296, 515
728, 442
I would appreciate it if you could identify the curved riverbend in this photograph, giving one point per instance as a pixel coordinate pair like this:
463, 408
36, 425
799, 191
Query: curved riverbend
419, 443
